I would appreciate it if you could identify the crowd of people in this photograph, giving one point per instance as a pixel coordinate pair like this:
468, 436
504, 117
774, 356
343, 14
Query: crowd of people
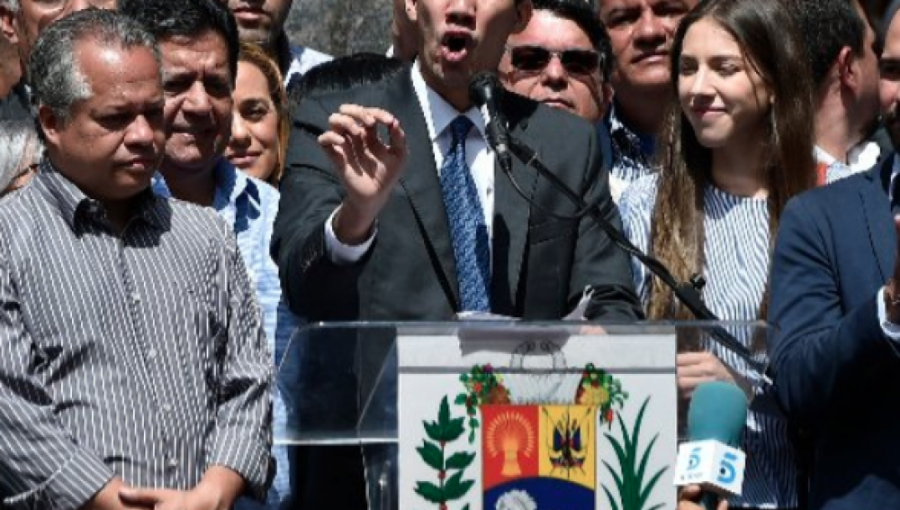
181, 188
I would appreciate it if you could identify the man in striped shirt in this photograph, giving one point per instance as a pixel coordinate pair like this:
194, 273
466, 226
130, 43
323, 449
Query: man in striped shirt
134, 371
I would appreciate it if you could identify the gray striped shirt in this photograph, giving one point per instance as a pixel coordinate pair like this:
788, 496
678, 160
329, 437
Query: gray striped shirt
140, 355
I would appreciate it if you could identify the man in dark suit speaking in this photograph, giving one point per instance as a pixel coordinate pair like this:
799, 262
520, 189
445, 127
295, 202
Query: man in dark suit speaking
393, 209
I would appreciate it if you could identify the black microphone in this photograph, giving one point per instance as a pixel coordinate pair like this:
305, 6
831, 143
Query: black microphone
485, 91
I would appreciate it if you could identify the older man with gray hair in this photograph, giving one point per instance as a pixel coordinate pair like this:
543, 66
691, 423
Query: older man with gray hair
134, 371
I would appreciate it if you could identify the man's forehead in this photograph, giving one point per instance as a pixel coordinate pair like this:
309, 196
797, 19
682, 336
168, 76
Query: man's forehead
608, 5
561, 27
193, 52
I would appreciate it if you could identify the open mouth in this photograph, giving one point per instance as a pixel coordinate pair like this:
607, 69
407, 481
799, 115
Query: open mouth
455, 45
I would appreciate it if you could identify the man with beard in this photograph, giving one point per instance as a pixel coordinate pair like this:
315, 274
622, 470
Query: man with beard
262, 22
843, 57
835, 306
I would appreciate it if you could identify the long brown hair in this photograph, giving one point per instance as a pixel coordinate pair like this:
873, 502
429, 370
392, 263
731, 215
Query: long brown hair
765, 34
253, 54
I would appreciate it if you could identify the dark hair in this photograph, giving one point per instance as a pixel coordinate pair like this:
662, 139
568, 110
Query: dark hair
766, 36
580, 13
826, 27
186, 18
341, 74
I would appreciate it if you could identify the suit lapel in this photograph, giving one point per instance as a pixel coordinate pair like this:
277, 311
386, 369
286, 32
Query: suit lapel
876, 207
421, 183
511, 216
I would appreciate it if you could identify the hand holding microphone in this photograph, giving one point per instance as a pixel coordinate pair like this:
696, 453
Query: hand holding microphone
689, 499
711, 459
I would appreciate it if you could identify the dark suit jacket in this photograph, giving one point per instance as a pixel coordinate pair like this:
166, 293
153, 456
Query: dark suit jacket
541, 264
835, 371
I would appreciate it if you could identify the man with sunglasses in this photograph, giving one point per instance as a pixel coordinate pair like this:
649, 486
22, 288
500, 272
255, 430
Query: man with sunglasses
397, 210
562, 59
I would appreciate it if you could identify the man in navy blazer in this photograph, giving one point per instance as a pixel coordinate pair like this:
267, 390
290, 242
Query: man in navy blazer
835, 309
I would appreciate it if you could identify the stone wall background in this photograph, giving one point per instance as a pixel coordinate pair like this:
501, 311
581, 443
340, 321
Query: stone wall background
341, 27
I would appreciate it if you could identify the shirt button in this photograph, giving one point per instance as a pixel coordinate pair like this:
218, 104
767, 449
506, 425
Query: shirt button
151, 354
173, 463
135, 297
167, 408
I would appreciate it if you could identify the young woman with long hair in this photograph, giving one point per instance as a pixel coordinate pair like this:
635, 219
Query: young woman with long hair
737, 146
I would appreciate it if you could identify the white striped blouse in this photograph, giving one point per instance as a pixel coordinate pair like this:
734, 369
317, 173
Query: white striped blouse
736, 271
139, 355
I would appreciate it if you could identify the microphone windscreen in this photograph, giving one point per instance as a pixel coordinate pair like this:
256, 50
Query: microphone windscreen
481, 86
718, 410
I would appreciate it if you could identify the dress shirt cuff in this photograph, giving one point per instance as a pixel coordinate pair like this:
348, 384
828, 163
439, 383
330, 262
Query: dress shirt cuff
344, 254
70, 488
891, 330
248, 457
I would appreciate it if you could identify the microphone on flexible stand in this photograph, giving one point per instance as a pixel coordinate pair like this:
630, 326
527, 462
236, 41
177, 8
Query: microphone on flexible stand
485, 91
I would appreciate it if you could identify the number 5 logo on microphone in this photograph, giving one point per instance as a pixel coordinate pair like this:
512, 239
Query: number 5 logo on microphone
694, 459
727, 469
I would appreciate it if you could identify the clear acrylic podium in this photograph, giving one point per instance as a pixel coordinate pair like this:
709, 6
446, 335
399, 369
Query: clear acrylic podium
503, 415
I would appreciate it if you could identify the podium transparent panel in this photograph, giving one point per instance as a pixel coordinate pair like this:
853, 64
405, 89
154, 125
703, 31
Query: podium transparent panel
406, 391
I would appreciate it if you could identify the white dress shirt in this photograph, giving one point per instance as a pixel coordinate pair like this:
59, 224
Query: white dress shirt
439, 114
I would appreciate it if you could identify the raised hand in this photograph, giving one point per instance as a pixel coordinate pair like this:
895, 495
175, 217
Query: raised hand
368, 167
892, 286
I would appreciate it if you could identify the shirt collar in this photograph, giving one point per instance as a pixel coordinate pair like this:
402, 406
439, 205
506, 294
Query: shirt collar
822, 156
861, 156
231, 184
438, 112
615, 123
895, 171
74, 206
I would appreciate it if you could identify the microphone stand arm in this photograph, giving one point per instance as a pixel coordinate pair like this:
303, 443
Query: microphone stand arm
687, 293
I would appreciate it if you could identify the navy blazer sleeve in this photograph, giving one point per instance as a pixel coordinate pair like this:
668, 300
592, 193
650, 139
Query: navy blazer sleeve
826, 345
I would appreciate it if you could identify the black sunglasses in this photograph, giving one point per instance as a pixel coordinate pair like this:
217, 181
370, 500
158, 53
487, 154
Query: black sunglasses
533, 59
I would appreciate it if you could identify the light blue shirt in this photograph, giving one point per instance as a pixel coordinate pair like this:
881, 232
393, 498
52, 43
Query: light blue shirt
250, 205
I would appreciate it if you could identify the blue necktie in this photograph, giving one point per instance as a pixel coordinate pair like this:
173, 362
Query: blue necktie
467, 227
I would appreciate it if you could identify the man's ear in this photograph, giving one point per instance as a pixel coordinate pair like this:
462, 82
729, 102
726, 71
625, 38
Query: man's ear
50, 124
848, 69
524, 10
9, 25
